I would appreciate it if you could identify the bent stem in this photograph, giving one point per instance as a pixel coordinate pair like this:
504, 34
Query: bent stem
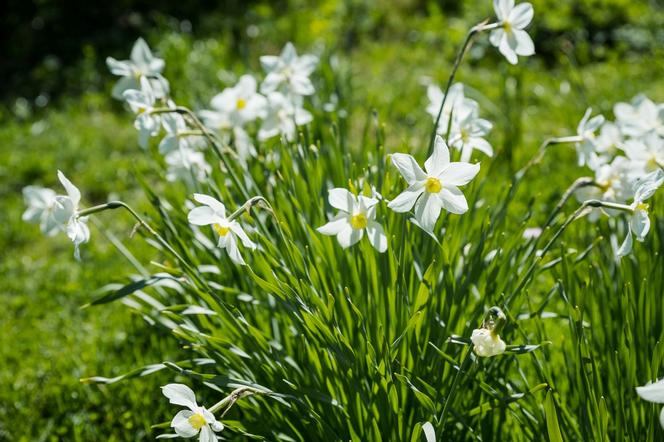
230, 400
457, 62
542, 150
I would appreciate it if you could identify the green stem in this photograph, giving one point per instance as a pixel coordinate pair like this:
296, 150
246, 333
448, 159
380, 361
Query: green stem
227, 402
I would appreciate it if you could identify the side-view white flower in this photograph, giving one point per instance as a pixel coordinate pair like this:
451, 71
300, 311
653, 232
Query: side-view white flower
213, 212
141, 64
288, 73
486, 343
455, 97
142, 103
587, 146
653, 392
357, 216
186, 164
639, 222
511, 39
640, 117
468, 130
66, 214
41, 204
283, 117
435, 189
646, 153
195, 420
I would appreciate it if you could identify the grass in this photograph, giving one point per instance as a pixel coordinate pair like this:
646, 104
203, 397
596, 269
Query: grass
382, 321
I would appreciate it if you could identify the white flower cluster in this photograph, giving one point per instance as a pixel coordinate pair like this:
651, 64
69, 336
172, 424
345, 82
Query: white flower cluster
627, 159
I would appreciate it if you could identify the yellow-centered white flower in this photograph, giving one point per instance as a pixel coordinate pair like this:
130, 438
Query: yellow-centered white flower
196, 420
434, 188
213, 213
511, 39
356, 216
639, 222
486, 343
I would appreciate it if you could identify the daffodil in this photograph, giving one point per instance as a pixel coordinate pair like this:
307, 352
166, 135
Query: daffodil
653, 392
587, 145
186, 164
141, 64
41, 204
486, 341
356, 216
288, 73
235, 106
283, 116
646, 153
66, 214
196, 420
510, 38
639, 222
455, 97
468, 130
640, 117
213, 212
435, 188
142, 103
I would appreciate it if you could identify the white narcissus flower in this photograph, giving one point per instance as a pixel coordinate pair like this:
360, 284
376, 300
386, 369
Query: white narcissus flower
186, 164
142, 104
587, 147
455, 97
639, 222
486, 343
213, 212
235, 106
435, 189
511, 39
283, 117
288, 73
66, 215
357, 216
142, 64
41, 204
653, 392
468, 130
645, 153
196, 420
640, 117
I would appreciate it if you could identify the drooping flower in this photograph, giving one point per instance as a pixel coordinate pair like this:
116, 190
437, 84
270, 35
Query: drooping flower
511, 39
435, 189
288, 73
357, 216
653, 392
587, 146
41, 204
196, 420
141, 64
213, 212
283, 117
639, 222
142, 103
66, 214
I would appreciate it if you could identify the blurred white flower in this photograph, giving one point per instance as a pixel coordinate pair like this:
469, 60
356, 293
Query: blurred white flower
434, 190
653, 392
186, 164
587, 147
235, 106
41, 204
511, 39
213, 212
142, 64
357, 215
609, 141
646, 153
532, 232
640, 117
283, 117
65, 214
455, 97
468, 130
142, 103
486, 343
639, 222
288, 73
196, 420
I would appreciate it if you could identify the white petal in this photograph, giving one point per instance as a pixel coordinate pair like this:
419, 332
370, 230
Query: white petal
306, 64
207, 435
482, 145
439, 158
524, 44
180, 394
202, 216
452, 200
140, 53
652, 392
269, 62
521, 15
506, 47
342, 199
214, 203
72, 190
626, 246
458, 174
301, 85
405, 200
408, 167
335, 226
427, 211
503, 8
233, 251
366, 203
640, 224
349, 236
377, 236
496, 36
181, 425
271, 82
237, 229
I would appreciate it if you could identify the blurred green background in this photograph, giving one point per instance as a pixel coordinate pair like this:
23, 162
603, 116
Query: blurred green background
56, 113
